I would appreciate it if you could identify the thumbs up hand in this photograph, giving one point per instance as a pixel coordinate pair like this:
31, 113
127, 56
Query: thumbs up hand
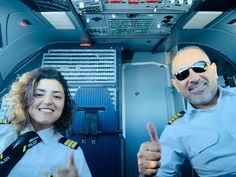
69, 171
149, 154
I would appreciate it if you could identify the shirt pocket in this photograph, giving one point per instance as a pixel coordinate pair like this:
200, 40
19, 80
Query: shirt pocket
202, 151
202, 142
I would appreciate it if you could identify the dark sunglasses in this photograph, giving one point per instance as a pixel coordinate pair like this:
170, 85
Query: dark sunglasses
198, 67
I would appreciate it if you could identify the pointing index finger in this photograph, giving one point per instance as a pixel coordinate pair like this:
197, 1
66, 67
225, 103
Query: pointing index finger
71, 160
152, 132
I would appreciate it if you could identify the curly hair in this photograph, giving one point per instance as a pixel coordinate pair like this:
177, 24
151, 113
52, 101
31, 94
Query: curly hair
21, 97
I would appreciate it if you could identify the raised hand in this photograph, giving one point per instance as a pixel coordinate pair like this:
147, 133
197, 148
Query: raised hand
149, 154
69, 171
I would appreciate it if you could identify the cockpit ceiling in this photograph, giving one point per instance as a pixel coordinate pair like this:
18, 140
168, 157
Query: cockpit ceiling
130, 18
139, 25
140, 20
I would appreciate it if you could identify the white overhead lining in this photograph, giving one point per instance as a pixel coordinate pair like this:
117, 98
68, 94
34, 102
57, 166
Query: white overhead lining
201, 19
59, 20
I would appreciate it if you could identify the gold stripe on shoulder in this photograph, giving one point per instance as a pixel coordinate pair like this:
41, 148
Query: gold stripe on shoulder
4, 121
175, 117
70, 143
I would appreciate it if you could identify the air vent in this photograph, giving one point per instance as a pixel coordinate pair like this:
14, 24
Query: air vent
83, 66
96, 19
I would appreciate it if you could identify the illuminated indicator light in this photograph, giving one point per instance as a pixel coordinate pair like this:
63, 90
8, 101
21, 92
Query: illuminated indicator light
133, 1
155, 9
22, 24
234, 24
151, 1
115, 1
81, 5
85, 44
113, 16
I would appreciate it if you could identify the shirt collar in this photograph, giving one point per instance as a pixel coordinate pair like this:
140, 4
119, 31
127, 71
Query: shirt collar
227, 90
45, 134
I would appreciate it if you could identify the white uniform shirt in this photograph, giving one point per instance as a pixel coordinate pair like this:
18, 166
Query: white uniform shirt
206, 137
45, 157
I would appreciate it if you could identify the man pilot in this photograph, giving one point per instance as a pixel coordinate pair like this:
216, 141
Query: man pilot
205, 134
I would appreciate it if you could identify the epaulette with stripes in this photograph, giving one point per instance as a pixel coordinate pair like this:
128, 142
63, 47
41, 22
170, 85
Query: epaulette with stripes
70, 143
176, 116
4, 121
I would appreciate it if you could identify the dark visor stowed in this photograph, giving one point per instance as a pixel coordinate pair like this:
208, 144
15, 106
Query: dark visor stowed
198, 67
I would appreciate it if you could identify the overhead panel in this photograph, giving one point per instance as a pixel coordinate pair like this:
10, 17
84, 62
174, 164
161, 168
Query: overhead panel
124, 6
130, 19
139, 24
129, 24
95, 24
87, 6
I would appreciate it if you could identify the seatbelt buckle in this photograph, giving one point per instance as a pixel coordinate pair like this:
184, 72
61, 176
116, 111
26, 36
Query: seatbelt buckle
93, 140
83, 140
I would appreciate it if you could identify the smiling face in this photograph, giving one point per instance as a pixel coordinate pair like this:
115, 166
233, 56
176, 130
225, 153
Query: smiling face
48, 103
200, 89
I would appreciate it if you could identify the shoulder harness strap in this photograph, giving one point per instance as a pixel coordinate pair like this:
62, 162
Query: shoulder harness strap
176, 116
70, 143
4, 121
